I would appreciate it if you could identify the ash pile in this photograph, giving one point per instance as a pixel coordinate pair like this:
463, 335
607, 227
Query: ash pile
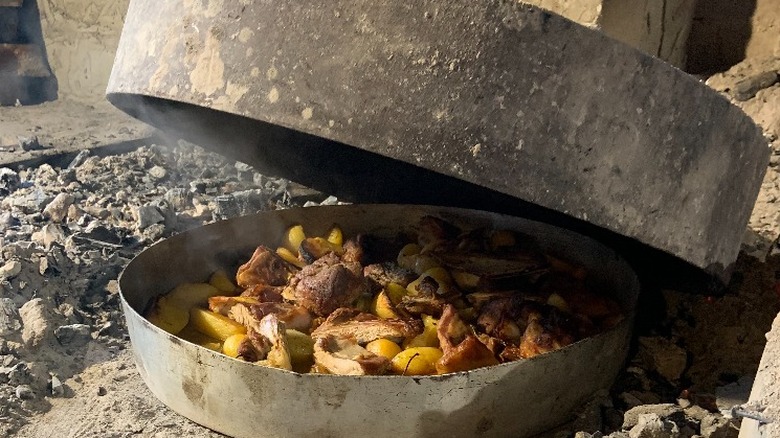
67, 232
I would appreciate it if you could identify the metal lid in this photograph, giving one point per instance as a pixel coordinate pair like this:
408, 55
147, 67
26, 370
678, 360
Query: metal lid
494, 105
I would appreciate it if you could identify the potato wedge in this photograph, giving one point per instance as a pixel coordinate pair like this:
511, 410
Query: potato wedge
429, 337
300, 345
188, 333
168, 316
416, 361
335, 236
221, 281
382, 306
188, 295
289, 257
231, 344
293, 238
214, 325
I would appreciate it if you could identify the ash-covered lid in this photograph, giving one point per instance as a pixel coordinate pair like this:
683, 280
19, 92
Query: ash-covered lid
494, 105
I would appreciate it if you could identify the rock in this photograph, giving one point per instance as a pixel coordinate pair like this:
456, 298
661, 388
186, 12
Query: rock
225, 207
748, 87
30, 143
24, 392
717, 426
10, 269
57, 388
8, 220
101, 391
73, 335
157, 173
33, 202
9, 318
48, 235
178, 198
666, 358
664, 410
696, 413
652, 426
9, 181
734, 394
57, 209
36, 321
147, 215
79, 159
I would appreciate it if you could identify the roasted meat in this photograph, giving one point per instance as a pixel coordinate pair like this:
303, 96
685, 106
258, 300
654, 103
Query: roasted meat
254, 347
381, 274
264, 293
249, 314
341, 355
365, 327
546, 331
462, 349
265, 267
222, 305
328, 284
274, 331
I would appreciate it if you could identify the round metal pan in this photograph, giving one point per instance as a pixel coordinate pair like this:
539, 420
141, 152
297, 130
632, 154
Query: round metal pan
244, 400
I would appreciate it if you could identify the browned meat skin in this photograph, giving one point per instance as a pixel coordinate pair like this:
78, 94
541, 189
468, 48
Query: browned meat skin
545, 333
328, 284
294, 317
433, 229
254, 347
578, 297
381, 274
242, 314
365, 327
265, 267
462, 349
422, 305
353, 251
503, 318
274, 331
344, 356
222, 305
264, 293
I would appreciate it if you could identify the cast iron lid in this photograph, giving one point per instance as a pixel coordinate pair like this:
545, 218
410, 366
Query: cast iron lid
493, 105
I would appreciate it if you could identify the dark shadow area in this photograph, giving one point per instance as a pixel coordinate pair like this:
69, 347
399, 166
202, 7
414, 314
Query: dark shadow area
363, 177
720, 32
25, 75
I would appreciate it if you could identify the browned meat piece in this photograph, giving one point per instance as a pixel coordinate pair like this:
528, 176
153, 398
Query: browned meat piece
254, 347
353, 250
264, 293
381, 274
546, 333
365, 327
274, 331
328, 284
433, 229
294, 317
313, 248
511, 354
504, 272
479, 299
579, 299
502, 318
422, 305
242, 314
462, 349
344, 356
222, 305
265, 267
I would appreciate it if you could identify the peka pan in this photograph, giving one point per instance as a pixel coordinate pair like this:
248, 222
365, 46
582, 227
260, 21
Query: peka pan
244, 400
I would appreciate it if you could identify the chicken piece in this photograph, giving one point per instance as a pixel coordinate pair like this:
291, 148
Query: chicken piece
293, 317
265, 267
382, 274
353, 251
250, 315
546, 333
328, 284
365, 327
578, 297
503, 318
422, 305
273, 330
254, 347
433, 230
344, 356
462, 349
222, 305
264, 293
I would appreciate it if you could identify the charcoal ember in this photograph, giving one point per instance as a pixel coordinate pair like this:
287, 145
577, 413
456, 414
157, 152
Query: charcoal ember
717, 426
9, 317
250, 201
179, 198
57, 209
158, 173
79, 159
10, 269
73, 335
147, 215
663, 356
653, 426
225, 207
9, 181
